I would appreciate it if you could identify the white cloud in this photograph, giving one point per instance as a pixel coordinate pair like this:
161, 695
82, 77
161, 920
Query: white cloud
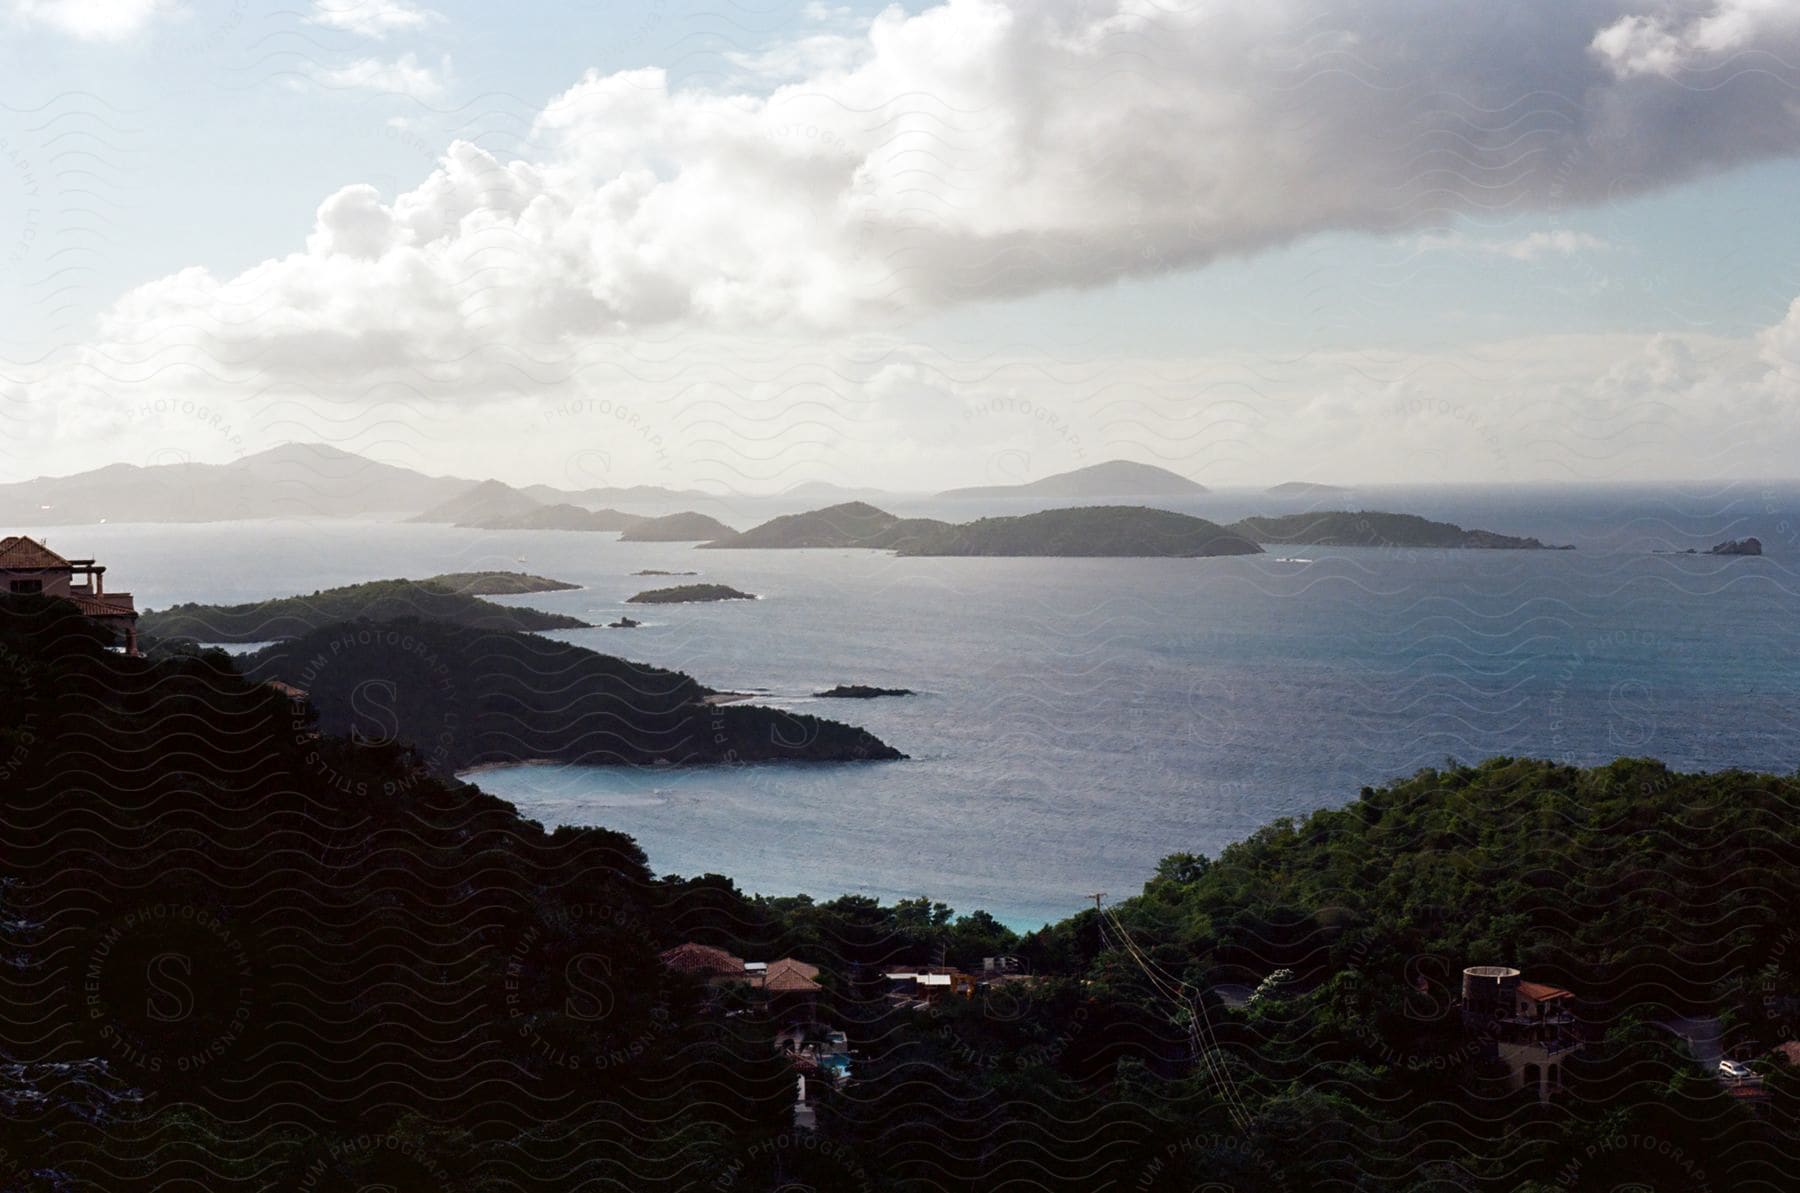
1690, 36
975, 150
404, 75
94, 20
372, 18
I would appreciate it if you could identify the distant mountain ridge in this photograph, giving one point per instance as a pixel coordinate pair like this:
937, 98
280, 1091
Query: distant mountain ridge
1114, 478
296, 480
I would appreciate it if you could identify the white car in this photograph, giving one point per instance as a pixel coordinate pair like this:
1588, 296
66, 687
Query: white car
1737, 1070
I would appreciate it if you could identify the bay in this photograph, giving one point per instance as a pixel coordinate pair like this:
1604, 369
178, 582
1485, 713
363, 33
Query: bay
1077, 719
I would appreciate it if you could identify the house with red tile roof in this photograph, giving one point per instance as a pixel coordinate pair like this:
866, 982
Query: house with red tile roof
29, 568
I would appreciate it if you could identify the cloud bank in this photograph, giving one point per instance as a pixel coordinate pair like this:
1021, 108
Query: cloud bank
981, 150
845, 184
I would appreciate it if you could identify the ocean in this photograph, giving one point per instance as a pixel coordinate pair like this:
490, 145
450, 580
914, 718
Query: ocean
1078, 719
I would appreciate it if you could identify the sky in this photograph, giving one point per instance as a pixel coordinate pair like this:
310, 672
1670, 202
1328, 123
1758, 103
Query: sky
745, 247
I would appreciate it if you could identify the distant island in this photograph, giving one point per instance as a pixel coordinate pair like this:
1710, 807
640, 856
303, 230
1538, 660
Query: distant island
857, 691
1094, 531
684, 527
1114, 478
660, 572
451, 598
1747, 546
561, 516
689, 593
1371, 528
1105, 531
1303, 489
488, 501
848, 524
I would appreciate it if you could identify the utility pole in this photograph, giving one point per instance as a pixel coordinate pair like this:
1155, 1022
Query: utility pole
1096, 897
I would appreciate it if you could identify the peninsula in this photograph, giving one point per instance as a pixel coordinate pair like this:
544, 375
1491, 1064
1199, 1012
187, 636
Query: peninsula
450, 598
469, 697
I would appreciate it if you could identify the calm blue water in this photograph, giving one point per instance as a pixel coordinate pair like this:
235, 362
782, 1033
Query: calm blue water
1079, 719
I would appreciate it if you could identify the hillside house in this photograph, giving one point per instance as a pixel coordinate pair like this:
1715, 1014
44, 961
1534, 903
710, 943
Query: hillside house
1530, 1026
29, 568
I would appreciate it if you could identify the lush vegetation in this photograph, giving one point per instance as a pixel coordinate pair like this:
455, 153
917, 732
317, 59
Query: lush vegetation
445, 598
1369, 528
860, 691
245, 955
466, 697
1101, 530
684, 594
498, 583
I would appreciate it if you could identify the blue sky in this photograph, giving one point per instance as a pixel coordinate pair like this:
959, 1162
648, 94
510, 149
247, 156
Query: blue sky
140, 139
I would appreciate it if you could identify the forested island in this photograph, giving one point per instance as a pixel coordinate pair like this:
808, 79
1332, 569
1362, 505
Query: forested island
1084, 531
687, 594
1371, 528
858, 691
449, 598
393, 980
847, 524
685, 527
1105, 531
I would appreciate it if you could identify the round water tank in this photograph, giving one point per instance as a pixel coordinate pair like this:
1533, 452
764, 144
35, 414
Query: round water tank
1487, 987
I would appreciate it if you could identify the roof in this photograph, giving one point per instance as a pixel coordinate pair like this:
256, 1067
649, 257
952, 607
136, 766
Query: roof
701, 959
109, 605
788, 975
934, 979
27, 554
288, 690
1538, 992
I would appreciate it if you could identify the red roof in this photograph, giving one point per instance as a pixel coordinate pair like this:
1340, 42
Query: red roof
789, 976
1538, 992
18, 553
702, 959
109, 605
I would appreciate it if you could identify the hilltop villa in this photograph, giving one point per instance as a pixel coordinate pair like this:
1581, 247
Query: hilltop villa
27, 567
